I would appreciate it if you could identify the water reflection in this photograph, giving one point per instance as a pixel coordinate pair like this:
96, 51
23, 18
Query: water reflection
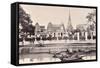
37, 58
63, 53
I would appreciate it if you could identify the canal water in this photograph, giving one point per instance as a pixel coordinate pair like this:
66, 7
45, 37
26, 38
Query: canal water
37, 56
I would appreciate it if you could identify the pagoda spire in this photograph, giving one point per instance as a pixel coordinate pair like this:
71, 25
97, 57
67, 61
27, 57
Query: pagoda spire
69, 25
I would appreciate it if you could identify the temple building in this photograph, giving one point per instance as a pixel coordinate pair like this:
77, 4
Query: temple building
87, 31
39, 30
56, 30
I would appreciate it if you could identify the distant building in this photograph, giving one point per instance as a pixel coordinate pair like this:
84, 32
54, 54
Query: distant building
90, 29
39, 29
55, 30
55, 27
42, 28
82, 27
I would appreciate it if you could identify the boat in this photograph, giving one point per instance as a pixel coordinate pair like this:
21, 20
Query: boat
72, 58
65, 57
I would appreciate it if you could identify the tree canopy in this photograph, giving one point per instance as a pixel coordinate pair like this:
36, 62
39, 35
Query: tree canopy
25, 24
91, 17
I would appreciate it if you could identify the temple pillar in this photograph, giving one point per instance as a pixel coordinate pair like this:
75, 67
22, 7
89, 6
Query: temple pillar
91, 35
78, 38
86, 35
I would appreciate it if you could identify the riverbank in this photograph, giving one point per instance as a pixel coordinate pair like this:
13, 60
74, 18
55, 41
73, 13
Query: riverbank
56, 41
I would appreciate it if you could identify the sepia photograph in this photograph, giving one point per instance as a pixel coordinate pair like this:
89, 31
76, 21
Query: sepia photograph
56, 34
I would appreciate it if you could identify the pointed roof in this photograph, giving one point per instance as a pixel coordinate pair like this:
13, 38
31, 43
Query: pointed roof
69, 25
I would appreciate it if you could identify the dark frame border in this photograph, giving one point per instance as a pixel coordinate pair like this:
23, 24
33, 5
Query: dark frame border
57, 5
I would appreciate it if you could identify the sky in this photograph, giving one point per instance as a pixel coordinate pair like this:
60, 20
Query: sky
56, 15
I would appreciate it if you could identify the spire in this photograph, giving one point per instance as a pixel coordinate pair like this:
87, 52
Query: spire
69, 20
69, 25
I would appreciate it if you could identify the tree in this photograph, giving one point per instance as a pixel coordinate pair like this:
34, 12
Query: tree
25, 24
91, 17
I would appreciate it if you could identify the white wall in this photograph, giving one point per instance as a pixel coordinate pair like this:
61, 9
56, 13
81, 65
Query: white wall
5, 33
